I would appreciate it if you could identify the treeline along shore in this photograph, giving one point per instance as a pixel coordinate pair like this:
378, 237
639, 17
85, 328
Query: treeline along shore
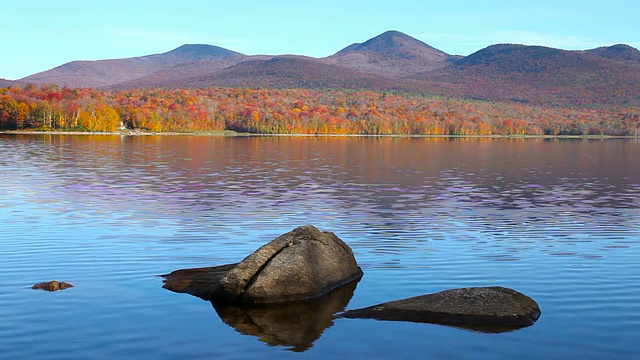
297, 111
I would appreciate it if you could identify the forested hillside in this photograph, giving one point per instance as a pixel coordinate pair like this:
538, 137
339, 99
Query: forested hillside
297, 112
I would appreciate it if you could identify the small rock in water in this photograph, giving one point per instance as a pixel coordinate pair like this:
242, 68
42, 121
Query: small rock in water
52, 285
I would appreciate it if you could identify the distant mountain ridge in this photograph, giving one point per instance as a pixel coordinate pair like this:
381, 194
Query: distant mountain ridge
619, 52
541, 74
102, 73
391, 61
7, 83
292, 72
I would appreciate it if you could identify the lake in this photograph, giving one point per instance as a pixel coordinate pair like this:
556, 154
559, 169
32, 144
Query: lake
557, 219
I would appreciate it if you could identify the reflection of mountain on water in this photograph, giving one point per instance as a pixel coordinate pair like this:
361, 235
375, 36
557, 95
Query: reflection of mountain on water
295, 325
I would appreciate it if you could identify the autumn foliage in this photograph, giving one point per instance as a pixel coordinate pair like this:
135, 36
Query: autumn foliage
297, 111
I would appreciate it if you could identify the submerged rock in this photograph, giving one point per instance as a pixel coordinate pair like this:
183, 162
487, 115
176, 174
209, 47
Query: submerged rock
52, 285
482, 308
304, 263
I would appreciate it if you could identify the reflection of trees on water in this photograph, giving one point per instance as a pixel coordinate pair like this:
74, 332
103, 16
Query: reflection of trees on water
387, 188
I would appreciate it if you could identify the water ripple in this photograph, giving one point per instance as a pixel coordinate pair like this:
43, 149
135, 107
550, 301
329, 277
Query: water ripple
109, 214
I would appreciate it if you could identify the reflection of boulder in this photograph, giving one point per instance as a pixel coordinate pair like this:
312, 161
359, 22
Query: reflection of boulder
489, 309
52, 285
294, 324
304, 263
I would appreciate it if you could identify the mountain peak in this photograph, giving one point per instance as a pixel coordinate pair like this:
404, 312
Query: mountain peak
510, 54
618, 52
392, 42
393, 35
391, 54
200, 51
101, 73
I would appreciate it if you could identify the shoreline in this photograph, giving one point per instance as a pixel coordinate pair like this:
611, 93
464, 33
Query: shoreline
121, 133
228, 133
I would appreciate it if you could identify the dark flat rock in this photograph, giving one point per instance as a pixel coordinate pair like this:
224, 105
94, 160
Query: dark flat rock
482, 307
198, 281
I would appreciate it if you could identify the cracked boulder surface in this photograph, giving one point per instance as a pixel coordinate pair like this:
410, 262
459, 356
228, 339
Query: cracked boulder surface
304, 263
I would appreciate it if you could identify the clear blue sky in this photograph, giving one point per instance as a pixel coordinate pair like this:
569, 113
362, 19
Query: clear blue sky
40, 34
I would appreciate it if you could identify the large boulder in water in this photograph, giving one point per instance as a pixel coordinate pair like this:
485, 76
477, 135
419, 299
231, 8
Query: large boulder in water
482, 308
304, 263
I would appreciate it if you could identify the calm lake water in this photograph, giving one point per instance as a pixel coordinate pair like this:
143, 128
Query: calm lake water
558, 220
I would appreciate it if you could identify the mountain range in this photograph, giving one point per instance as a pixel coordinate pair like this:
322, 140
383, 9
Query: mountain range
391, 61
